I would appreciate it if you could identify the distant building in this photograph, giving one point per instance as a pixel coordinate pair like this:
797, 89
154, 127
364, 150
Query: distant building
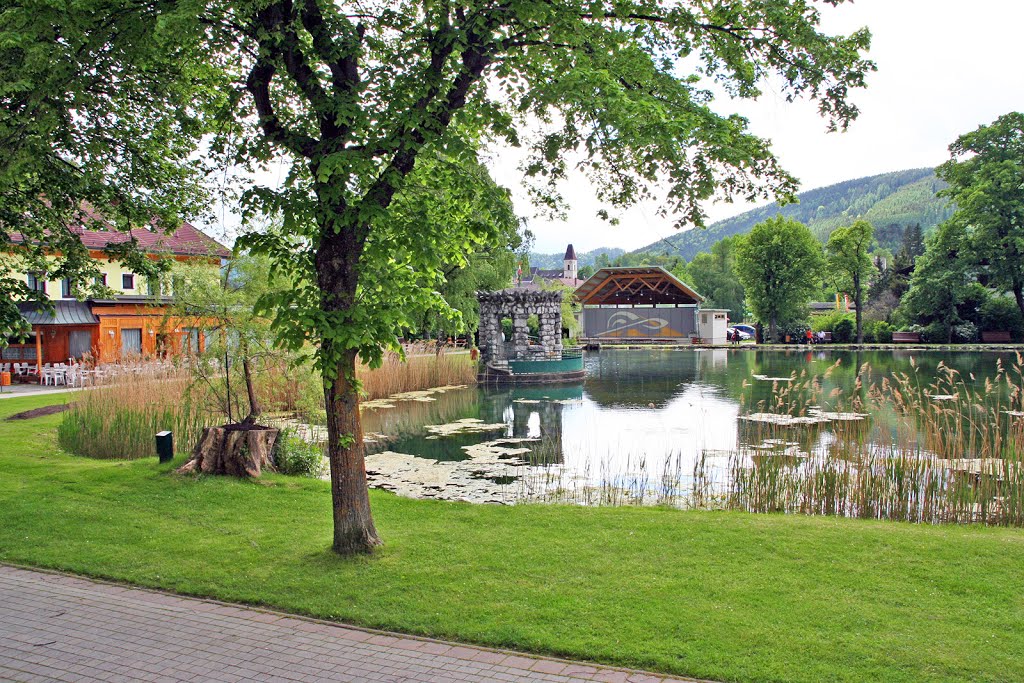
568, 275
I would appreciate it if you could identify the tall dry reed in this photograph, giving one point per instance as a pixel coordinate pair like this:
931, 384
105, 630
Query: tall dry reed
121, 418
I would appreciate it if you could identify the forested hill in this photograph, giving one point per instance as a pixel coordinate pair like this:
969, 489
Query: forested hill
902, 198
554, 261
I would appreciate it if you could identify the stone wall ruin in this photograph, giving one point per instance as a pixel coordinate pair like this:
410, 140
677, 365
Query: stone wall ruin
519, 304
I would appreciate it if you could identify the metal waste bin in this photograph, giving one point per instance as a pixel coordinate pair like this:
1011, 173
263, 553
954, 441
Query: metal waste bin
165, 446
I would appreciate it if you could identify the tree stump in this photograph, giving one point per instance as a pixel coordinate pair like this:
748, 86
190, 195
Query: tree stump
240, 450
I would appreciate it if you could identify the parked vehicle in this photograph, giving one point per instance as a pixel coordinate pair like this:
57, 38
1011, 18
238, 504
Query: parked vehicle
745, 330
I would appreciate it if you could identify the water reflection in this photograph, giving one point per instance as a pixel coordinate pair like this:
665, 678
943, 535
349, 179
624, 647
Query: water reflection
644, 419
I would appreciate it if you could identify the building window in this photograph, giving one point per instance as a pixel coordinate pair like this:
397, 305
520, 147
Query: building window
101, 280
127, 281
37, 282
131, 341
65, 288
152, 286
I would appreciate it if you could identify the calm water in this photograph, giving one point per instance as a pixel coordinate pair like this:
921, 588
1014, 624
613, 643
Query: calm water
654, 412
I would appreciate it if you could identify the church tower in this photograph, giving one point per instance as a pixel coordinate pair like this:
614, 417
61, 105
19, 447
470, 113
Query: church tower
569, 271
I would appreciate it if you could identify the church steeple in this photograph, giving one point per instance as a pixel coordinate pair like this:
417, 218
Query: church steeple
569, 270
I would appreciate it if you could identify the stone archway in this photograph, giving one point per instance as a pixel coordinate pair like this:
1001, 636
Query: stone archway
519, 305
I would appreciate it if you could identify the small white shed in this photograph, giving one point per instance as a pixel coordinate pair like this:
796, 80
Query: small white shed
712, 324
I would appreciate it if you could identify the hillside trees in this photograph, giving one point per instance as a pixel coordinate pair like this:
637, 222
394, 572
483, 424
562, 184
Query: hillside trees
850, 265
351, 96
714, 276
986, 181
780, 266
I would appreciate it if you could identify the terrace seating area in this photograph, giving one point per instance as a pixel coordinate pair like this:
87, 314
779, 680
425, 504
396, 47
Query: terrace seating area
78, 374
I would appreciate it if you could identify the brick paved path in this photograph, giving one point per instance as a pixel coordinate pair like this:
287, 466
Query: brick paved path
58, 627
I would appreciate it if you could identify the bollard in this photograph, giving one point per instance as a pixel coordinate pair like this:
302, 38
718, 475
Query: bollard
165, 446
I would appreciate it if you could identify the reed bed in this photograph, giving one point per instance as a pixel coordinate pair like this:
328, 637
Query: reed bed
424, 367
120, 418
939, 449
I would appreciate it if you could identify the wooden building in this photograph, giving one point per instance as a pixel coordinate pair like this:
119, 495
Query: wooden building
645, 304
133, 323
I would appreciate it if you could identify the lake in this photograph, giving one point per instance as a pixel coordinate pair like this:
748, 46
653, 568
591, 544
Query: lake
660, 425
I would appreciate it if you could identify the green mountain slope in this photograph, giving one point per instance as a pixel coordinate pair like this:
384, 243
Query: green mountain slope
901, 198
553, 261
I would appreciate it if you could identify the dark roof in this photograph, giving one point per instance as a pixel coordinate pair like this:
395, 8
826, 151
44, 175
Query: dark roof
570, 254
64, 313
546, 274
186, 240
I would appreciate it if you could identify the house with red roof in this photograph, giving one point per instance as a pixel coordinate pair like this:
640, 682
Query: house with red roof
133, 322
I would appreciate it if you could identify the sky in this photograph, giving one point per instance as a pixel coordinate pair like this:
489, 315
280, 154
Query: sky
945, 67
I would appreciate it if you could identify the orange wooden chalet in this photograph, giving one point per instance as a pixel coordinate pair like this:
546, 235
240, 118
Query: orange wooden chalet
134, 323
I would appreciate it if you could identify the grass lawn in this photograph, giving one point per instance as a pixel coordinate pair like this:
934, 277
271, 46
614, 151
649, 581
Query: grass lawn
727, 596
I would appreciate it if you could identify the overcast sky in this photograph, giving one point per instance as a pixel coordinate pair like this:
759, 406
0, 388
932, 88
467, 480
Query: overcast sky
944, 68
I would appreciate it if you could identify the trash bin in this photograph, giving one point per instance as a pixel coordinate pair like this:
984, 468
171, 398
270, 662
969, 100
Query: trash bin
165, 446
5, 379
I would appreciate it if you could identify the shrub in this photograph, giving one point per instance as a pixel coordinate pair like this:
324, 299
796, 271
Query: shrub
1000, 313
883, 332
843, 331
827, 322
965, 333
296, 456
933, 333
869, 329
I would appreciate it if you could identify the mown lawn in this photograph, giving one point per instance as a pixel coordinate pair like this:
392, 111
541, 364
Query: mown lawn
726, 596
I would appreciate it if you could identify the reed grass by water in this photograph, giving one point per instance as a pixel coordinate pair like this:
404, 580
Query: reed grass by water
119, 418
903, 447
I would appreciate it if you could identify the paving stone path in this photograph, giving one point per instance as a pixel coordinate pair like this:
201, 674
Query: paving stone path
55, 627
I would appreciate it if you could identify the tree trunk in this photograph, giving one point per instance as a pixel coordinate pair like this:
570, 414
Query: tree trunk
354, 531
1018, 294
771, 330
254, 404
337, 261
236, 450
857, 296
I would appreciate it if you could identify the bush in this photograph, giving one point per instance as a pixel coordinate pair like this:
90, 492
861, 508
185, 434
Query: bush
1000, 314
869, 327
965, 333
296, 456
827, 322
933, 333
843, 331
883, 332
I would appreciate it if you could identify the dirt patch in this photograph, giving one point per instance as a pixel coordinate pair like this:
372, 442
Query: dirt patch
40, 412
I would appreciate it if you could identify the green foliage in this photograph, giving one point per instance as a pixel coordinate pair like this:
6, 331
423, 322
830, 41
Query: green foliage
878, 331
904, 198
779, 264
939, 284
714, 276
827, 322
295, 456
849, 264
843, 331
985, 176
1000, 314
102, 104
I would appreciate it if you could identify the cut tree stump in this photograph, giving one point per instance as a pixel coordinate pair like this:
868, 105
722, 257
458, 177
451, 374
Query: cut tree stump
240, 450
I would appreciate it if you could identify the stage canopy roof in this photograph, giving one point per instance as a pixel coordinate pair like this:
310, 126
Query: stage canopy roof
640, 286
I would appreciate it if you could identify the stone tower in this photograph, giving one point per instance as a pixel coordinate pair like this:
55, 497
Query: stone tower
569, 270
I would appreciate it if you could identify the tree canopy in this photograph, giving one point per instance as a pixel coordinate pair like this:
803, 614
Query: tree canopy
367, 101
850, 265
986, 181
780, 265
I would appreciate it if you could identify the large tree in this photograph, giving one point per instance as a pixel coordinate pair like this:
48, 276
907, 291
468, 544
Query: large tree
940, 283
352, 95
780, 265
986, 182
850, 265
102, 103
